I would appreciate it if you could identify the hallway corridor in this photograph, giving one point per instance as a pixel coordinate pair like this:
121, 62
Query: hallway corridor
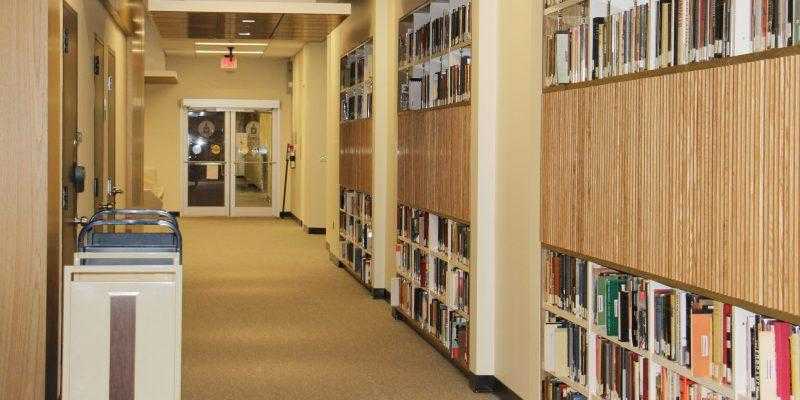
267, 316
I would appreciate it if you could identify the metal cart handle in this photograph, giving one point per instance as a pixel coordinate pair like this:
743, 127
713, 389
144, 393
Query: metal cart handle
135, 211
131, 222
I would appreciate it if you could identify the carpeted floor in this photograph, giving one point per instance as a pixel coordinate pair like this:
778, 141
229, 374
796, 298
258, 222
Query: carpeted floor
267, 316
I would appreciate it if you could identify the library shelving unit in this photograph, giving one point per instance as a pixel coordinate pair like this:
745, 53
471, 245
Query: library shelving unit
355, 165
603, 327
431, 289
669, 152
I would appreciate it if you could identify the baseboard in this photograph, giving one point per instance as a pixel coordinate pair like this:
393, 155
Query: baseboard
380, 294
484, 383
490, 384
315, 231
175, 214
387, 296
287, 215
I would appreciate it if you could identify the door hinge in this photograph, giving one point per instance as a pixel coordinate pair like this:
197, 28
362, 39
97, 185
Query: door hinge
66, 41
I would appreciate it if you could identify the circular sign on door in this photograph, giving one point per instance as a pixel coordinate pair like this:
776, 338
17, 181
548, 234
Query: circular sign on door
215, 149
206, 128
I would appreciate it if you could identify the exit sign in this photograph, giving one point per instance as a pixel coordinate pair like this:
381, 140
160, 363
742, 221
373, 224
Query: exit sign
229, 63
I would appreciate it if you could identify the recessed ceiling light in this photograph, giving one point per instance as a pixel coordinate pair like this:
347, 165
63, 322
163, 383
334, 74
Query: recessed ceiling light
244, 33
248, 21
227, 52
231, 44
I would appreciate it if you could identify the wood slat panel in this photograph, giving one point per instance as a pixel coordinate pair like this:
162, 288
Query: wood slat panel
690, 176
355, 155
433, 160
24, 176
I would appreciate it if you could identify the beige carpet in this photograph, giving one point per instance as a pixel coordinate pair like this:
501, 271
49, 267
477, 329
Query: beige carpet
267, 316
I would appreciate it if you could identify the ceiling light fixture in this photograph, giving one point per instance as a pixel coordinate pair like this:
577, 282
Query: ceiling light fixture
226, 52
244, 33
248, 21
226, 44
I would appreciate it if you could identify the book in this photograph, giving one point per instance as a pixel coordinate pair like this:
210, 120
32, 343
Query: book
795, 360
701, 359
612, 306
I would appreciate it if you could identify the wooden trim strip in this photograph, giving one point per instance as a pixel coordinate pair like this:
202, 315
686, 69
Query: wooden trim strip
424, 110
770, 312
122, 349
699, 66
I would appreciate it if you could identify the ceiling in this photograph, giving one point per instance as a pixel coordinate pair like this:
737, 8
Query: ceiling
281, 27
231, 26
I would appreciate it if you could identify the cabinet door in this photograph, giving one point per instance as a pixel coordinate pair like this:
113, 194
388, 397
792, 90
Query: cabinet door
123, 340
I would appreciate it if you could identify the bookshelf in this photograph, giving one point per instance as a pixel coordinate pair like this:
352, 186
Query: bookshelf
355, 236
435, 55
665, 181
355, 164
431, 289
601, 324
587, 40
356, 80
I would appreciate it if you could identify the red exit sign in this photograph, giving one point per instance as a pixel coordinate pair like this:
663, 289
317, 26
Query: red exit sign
229, 63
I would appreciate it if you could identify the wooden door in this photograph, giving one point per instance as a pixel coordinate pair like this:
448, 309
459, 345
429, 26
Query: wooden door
98, 183
111, 120
69, 134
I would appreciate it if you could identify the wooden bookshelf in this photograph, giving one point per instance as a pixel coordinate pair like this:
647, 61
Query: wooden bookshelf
687, 176
434, 135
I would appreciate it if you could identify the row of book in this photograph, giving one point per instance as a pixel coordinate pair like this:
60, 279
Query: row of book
448, 83
620, 373
565, 283
435, 318
444, 236
775, 24
555, 389
356, 203
658, 33
565, 349
689, 341
356, 104
356, 66
774, 355
670, 385
435, 33
360, 261
434, 275
356, 230
620, 308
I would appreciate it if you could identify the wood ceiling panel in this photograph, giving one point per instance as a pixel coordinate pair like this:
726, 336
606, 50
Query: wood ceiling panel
303, 27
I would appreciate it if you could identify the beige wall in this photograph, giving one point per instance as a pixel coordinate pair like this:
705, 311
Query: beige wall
201, 77
94, 21
154, 57
517, 277
309, 85
350, 33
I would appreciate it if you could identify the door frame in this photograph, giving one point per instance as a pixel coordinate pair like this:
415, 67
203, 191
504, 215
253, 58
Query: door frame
230, 105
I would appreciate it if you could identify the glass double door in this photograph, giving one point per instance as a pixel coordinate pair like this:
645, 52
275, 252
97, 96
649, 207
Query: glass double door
229, 163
